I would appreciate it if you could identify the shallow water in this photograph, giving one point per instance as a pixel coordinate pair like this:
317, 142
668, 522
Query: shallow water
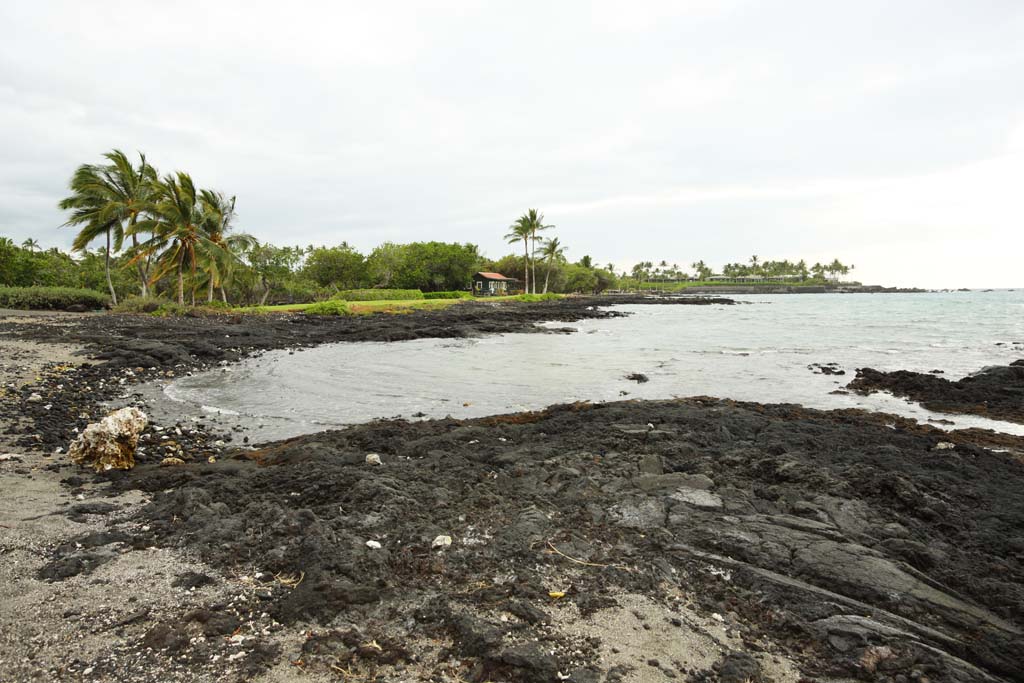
757, 352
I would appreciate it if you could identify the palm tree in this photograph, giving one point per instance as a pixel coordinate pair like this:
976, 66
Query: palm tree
703, 272
535, 220
753, 264
218, 212
111, 200
801, 269
89, 209
552, 251
131, 197
30, 244
177, 230
520, 230
638, 274
837, 268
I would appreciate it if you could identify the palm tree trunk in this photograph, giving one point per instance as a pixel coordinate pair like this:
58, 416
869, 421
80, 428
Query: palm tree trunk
149, 263
526, 266
209, 292
533, 273
143, 284
266, 292
547, 275
106, 267
193, 283
223, 294
533, 262
181, 278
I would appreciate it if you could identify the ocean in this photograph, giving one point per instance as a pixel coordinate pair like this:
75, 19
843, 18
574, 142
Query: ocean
759, 351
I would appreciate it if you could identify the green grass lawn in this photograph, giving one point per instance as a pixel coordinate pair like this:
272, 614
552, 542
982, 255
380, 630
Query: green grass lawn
383, 306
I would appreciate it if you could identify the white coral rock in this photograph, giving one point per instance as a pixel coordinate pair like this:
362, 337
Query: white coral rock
110, 443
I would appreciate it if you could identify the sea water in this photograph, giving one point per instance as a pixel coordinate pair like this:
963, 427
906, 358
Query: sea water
759, 351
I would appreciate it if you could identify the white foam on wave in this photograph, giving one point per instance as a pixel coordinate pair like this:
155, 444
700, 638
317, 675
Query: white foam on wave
218, 411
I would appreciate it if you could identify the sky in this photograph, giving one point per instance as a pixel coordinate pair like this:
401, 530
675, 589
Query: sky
887, 134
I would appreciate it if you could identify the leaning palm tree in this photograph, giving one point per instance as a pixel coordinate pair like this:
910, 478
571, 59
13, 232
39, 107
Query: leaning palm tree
111, 199
552, 251
177, 231
30, 244
520, 230
218, 213
89, 210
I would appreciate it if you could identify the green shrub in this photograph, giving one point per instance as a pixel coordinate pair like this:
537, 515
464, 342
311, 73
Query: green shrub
51, 298
378, 295
169, 309
447, 295
332, 307
550, 296
140, 304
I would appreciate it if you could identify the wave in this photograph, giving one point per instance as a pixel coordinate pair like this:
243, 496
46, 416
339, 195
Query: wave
218, 411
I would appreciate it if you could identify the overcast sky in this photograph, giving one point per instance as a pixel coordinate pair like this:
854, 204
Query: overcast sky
887, 134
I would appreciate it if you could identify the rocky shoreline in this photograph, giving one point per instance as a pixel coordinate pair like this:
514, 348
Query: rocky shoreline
699, 540
996, 392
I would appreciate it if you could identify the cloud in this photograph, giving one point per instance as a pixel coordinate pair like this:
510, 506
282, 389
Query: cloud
677, 130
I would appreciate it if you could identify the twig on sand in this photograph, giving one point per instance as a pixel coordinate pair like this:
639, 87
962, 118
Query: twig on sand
348, 674
585, 563
290, 580
130, 619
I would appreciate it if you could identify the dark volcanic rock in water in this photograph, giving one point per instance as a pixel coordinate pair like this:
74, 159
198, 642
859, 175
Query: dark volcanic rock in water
826, 369
839, 532
995, 392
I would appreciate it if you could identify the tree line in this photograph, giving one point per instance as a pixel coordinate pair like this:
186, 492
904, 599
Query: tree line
647, 271
29, 265
266, 273
162, 235
178, 233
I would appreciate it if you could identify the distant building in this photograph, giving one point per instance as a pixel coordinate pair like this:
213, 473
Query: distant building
755, 279
492, 284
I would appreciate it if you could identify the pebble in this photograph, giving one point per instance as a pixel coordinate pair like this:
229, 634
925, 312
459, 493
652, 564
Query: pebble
373, 459
441, 542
